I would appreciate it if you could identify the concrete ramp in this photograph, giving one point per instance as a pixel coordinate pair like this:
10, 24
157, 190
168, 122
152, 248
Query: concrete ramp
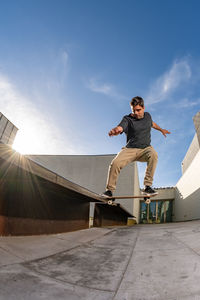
143, 262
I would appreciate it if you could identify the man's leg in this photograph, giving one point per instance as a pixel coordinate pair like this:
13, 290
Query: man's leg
124, 157
150, 156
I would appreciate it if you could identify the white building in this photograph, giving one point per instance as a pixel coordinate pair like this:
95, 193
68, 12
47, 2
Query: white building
8, 130
187, 190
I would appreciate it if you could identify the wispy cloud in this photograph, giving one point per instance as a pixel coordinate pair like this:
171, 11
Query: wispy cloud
186, 103
179, 74
37, 133
175, 94
104, 88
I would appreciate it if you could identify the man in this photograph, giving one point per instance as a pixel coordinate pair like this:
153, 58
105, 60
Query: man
137, 127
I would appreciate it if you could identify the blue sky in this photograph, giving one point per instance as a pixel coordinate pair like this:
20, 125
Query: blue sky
68, 70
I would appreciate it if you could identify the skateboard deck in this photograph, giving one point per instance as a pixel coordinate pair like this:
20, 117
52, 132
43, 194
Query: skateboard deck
110, 200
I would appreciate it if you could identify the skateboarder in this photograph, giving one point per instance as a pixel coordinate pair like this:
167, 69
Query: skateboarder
137, 127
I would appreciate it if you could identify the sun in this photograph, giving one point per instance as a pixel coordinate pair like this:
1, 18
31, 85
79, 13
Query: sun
27, 142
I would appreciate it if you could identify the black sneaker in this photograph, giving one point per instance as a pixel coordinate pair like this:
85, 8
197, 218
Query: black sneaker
149, 191
107, 194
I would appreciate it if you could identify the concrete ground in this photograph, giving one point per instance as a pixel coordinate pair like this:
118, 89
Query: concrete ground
142, 262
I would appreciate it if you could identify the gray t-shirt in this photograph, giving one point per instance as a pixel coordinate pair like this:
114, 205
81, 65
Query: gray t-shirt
138, 131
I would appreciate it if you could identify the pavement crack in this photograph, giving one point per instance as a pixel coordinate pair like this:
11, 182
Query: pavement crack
186, 245
10, 252
127, 264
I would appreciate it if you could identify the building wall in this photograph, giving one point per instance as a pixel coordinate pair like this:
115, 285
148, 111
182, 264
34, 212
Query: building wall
187, 190
187, 196
196, 120
187, 193
191, 153
165, 193
90, 171
8, 131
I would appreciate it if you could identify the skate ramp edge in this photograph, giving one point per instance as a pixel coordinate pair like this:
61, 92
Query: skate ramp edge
34, 200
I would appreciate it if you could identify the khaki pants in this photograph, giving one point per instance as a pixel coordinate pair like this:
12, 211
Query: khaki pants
128, 155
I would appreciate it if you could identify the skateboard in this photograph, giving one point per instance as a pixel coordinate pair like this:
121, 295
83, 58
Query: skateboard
147, 198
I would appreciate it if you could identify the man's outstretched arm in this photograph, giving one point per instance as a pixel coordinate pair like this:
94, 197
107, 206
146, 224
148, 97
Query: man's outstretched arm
115, 131
163, 131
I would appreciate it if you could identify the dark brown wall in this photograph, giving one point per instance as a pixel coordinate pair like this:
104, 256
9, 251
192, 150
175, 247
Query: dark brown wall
106, 215
32, 205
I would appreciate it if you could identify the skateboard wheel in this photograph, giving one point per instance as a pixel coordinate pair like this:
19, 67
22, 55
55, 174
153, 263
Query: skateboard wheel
110, 202
148, 201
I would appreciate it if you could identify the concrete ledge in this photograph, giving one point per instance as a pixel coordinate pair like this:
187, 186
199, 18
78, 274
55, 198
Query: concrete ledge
34, 200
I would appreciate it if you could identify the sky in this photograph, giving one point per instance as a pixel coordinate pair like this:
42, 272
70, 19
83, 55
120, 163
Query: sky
69, 68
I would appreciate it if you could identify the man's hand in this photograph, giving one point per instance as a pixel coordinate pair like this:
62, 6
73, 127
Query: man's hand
165, 132
115, 131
